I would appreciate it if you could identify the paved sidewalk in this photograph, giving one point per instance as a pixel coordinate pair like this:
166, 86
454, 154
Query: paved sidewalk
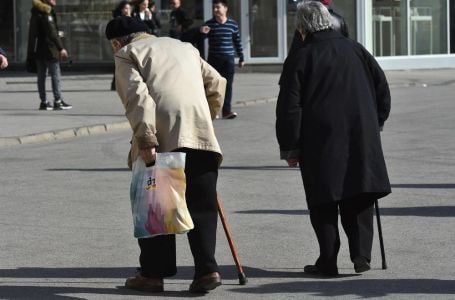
97, 110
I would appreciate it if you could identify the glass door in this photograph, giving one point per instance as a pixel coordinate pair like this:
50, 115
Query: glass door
263, 30
410, 27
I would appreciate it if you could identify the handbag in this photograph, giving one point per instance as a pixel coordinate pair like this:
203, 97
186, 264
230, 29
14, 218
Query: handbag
157, 195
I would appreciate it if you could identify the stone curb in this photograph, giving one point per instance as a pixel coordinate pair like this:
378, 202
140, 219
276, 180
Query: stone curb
64, 134
254, 102
94, 129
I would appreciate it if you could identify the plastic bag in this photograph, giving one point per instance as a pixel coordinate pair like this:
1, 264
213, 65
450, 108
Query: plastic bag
157, 196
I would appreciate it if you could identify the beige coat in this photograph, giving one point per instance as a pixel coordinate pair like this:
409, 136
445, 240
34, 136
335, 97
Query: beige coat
170, 95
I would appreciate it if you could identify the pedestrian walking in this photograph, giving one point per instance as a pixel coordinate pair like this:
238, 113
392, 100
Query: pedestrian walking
122, 9
3, 60
338, 23
179, 21
171, 96
224, 42
46, 47
333, 100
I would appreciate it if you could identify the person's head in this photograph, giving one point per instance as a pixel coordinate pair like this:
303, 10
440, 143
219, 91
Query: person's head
123, 8
142, 4
122, 30
174, 4
220, 8
312, 16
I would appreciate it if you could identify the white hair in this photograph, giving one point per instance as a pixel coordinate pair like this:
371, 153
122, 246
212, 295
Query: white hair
312, 16
126, 39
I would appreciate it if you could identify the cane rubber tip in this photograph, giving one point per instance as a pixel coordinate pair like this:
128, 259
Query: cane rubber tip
242, 279
384, 267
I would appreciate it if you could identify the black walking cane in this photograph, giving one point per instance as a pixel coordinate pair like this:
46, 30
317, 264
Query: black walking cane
381, 240
242, 277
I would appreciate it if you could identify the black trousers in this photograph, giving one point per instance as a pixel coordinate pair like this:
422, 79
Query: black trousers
225, 65
158, 254
357, 221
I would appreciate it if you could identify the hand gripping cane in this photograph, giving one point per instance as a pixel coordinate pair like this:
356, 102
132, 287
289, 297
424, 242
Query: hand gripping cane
242, 277
381, 240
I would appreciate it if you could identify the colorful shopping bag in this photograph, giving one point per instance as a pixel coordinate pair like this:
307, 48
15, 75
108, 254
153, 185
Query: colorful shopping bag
157, 196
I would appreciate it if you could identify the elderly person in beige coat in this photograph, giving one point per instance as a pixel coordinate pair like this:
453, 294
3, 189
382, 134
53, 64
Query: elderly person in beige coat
171, 97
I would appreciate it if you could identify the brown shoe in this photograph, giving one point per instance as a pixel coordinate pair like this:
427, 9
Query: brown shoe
145, 284
206, 283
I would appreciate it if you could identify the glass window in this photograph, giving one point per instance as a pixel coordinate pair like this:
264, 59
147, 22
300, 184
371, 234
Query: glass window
427, 30
390, 27
263, 19
452, 26
428, 20
83, 23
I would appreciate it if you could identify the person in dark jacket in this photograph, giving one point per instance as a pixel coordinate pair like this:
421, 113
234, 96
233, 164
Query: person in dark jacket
142, 12
3, 59
179, 21
46, 47
333, 100
338, 24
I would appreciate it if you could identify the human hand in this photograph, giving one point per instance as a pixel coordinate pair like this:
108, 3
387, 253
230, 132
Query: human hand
292, 162
241, 64
148, 155
3, 62
63, 54
204, 29
148, 14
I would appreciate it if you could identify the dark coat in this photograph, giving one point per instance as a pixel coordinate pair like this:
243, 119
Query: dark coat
179, 22
43, 40
333, 100
2, 52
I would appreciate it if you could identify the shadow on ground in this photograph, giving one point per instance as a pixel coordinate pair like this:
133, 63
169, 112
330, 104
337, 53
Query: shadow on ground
419, 211
342, 286
364, 288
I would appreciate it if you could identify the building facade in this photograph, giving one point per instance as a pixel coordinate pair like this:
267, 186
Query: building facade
402, 34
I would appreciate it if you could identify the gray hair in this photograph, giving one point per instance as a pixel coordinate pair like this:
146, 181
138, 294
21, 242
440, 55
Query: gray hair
312, 16
126, 39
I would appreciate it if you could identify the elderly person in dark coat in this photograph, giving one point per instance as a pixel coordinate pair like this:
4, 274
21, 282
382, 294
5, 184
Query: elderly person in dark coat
333, 100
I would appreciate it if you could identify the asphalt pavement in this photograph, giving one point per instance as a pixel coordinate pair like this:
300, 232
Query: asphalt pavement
65, 220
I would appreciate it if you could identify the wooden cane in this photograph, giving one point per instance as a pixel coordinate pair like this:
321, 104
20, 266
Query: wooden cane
381, 240
242, 277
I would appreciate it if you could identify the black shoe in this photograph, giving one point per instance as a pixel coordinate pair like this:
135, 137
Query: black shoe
361, 264
205, 283
314, 270
60, 104
230, 115
45, 106
144, 284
